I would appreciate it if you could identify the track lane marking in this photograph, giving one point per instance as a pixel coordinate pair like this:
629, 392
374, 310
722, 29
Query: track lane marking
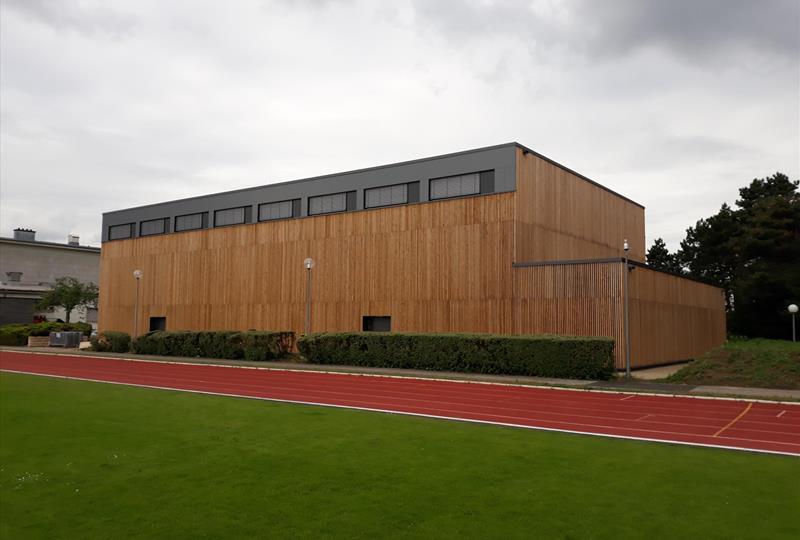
780, 414
282, 369
749, 406
441, 417
453, 414
322, 392
241, 385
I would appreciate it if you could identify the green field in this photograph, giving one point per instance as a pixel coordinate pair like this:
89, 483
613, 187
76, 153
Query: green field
89, 460
761, 363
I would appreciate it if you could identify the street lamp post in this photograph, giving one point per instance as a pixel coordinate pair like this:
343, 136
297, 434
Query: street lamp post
626, 247
793, 311
309, 264
137, 275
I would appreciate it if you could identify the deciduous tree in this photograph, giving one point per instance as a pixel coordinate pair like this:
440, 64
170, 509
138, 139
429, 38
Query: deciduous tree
69, 293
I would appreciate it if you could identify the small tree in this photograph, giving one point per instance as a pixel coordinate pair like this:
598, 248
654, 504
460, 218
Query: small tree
659, 257
69, 293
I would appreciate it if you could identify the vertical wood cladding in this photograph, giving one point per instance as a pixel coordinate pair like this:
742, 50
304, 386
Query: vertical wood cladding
433, 267
441, 266
671, 318
560, 216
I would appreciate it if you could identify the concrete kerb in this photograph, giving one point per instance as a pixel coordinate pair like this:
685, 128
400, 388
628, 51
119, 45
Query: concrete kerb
769, 395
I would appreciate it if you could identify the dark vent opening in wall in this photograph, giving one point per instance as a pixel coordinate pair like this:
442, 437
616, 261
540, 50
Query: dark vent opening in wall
158, 323
377, 324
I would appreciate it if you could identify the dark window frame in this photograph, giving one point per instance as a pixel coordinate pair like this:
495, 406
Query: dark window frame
349, 202
485, 184
246, 210
159, 321
165, 221
295, 203
440, 178
131, 230
408, 196
203, 222
368, 322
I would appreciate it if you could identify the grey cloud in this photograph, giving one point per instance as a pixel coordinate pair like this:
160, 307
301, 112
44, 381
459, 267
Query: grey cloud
699, 30
693, 28
111, 105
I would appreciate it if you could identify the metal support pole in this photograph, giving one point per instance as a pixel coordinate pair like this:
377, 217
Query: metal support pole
308, 300
794, 335
627, 321
136, 312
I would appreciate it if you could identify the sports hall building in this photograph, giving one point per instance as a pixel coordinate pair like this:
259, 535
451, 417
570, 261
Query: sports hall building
498, 239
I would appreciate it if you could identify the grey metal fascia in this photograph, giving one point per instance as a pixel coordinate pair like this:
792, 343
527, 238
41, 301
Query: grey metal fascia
501, 159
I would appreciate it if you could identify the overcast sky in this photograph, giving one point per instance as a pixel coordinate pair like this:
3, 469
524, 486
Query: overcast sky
112, 104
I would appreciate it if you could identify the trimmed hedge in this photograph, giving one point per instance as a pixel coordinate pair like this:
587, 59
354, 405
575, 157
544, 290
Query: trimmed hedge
17, 334
111, 342
537, 355
257, 346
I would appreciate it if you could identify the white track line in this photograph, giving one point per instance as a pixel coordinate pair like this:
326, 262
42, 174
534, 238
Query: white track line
629, 397
781, 414
410, 377
423, 415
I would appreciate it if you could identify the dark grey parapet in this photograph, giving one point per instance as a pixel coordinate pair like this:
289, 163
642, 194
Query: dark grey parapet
500, 159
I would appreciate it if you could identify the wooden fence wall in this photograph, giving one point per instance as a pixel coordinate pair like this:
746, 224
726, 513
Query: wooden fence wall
671, 318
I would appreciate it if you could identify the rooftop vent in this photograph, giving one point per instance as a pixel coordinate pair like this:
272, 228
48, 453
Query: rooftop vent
14, 276
73, 240
27, 235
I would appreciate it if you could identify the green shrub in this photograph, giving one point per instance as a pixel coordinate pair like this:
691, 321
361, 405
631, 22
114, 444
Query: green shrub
17, 334
251, 345
538, 356
118, 342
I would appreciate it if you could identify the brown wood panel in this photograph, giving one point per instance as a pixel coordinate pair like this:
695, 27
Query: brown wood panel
560, 216
441, 266
671, 318
432, 267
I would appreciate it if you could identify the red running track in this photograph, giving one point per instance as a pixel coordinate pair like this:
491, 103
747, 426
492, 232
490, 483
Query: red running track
733, 424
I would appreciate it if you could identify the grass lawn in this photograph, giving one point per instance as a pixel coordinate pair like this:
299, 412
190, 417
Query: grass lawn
764, 363
90, 460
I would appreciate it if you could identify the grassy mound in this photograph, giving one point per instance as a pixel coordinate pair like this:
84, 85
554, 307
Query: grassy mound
761, 363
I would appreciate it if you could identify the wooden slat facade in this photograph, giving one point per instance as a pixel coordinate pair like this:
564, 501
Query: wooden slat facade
441, 266
444, 266
560, 216
671, 318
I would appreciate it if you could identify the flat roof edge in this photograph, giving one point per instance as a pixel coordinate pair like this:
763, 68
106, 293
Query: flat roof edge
396, 164
39, 243
323, 176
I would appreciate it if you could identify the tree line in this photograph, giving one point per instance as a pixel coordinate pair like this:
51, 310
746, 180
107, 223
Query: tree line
751, 250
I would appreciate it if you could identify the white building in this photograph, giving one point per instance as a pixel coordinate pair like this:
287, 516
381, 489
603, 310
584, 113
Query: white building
29, 268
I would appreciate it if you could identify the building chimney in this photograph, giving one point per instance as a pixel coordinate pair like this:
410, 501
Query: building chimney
14, 276
26, 235
73, 240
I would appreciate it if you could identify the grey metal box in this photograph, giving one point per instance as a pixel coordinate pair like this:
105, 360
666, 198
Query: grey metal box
70, 340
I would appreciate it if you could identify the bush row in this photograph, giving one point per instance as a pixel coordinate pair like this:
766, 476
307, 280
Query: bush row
111, 342
17, 334
539, 355
258, 346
